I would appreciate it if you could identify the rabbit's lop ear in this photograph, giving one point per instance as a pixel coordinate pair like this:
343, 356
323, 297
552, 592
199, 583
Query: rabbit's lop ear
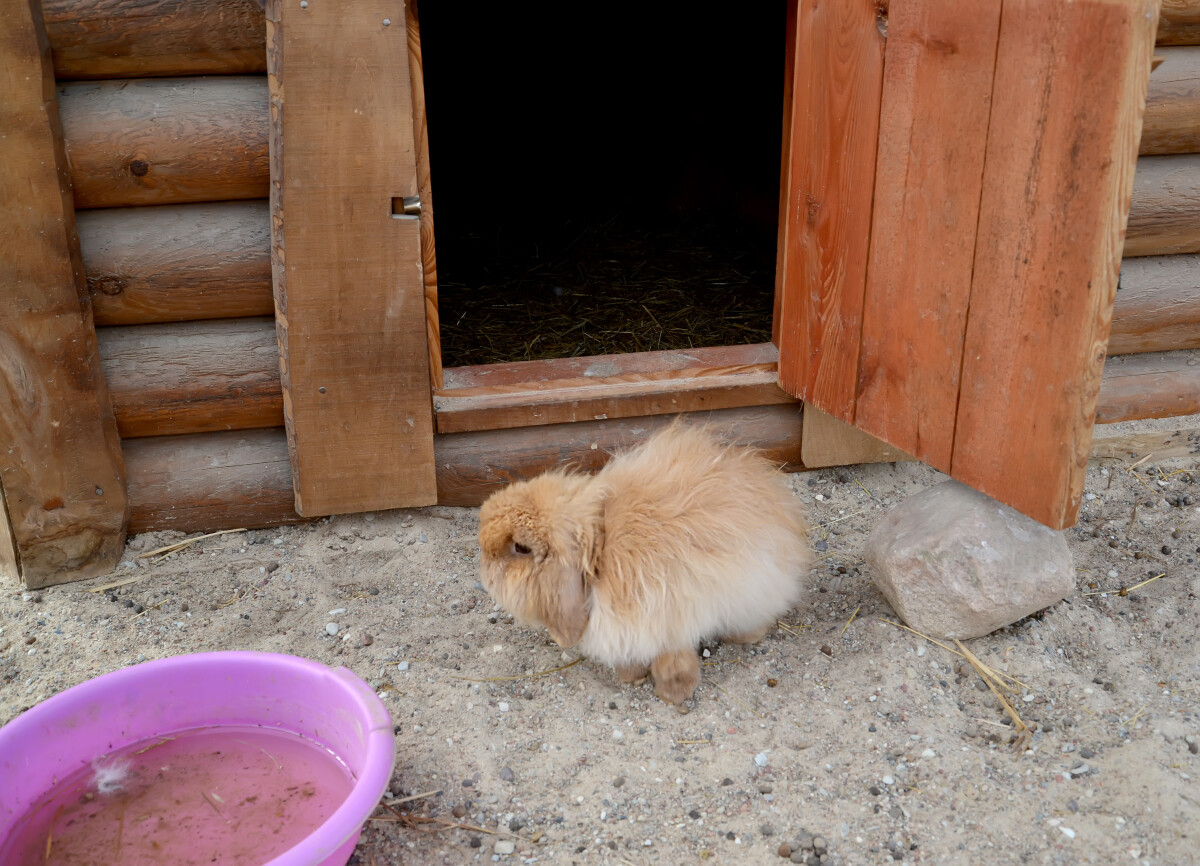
565, 605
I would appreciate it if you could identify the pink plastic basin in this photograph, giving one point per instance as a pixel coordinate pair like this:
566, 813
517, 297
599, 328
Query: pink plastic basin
331, 706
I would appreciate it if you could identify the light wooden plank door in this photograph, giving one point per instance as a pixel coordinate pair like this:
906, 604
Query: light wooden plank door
346, 255
956, 203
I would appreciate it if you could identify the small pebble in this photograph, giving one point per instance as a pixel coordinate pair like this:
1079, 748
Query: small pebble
503, 846
503, 707
819, 844
767, 830
785, 850
929, 753
475, 842
1081, 770
141, 657
761, 759
1166, 548
515, 824
1086, 753
506, 774
827, 649
30, 639
331, 628
137, 608
619, 781
183, 607
459, 811
424, 539
764, 788
366, 639
1194, 747
129, 602
888, 780
694, 814
373, 591
403, 666
37, 596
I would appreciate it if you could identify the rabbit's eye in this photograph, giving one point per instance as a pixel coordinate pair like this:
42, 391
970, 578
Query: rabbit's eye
521, 549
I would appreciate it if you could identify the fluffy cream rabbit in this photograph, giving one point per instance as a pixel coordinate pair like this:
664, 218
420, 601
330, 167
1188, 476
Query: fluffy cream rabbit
677, 541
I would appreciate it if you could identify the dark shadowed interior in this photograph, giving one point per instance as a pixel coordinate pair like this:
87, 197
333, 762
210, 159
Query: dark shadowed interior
605, 178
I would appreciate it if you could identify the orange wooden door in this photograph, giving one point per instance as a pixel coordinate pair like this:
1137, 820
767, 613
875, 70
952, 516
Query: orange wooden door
956, 190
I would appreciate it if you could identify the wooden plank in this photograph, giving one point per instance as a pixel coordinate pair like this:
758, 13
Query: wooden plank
10, 563
1164, 213
1172, 123
1158, 305
60, 467
210, 481
785, 171
1067, 105
166, 140
350, 297
144, 38
1152, 385
1179, 22
416, 68
1171, 439
828, 441
835, 122
589, 401
471, 466
177, 263
933, 130
171, 379
634, 367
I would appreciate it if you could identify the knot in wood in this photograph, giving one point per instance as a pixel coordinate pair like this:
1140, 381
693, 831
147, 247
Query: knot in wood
139, 167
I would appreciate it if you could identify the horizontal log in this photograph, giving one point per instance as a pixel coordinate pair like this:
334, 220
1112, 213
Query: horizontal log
1158, 305
1172, 120
1152, 385
1179, 22
209, 481
177, 263
1164, 213
533, 393
166, 140
143, 38
203, 376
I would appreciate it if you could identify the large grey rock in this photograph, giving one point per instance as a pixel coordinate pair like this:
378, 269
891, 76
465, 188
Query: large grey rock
955, 563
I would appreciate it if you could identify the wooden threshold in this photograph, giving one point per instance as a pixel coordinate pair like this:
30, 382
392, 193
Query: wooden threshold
535, 393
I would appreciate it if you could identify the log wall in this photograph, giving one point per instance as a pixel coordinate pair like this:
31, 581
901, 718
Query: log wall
171, 174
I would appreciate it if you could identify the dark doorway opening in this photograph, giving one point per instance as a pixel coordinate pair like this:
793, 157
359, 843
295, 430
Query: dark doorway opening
605, 179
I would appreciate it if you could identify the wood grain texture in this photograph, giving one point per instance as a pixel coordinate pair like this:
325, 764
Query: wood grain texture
416, 68
1179, 22
933, 132
350, 297
166, 140
1069, 92
210, 481
560, 390
828, 441
1164, 213
172, 379
1150, 385
1116, 442
144, 38
1172, 123
1158, 305
177, 263
835, 122
632, 367
60, 465
785, 172
10, 562
471, 466
599, 400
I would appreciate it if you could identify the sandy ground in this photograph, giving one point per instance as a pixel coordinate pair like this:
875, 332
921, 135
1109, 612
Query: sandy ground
852, 740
